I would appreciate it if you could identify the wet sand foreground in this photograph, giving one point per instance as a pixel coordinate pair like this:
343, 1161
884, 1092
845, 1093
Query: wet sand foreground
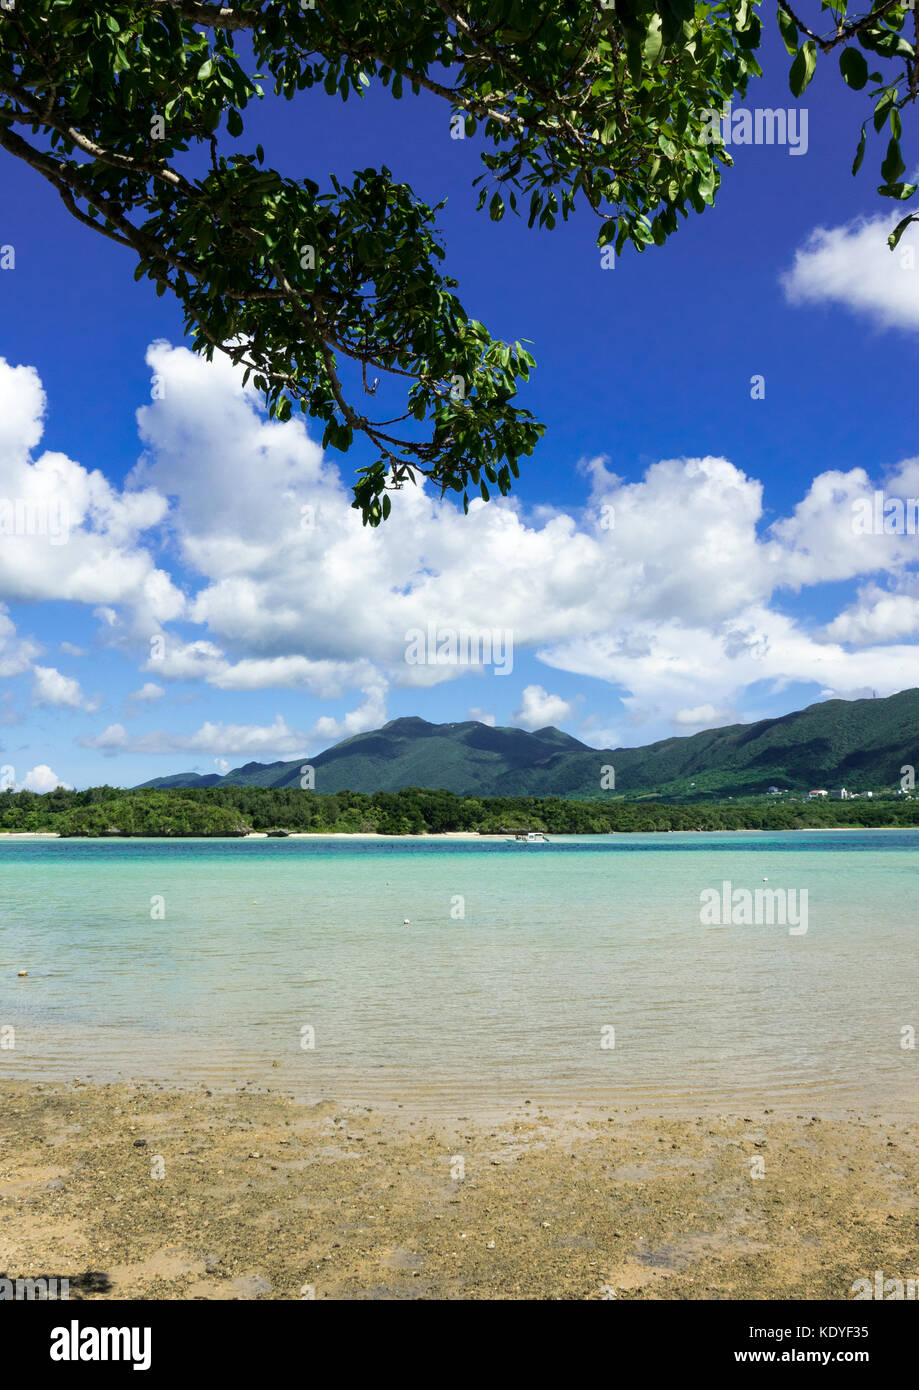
262, 1197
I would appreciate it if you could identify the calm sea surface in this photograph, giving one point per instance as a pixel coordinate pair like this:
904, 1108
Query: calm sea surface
516, 965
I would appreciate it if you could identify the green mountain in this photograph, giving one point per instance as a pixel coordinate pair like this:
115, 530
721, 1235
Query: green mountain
185, 779
859, 744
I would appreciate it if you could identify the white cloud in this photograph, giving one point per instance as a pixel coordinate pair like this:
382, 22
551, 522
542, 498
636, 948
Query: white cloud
41, 779
65, 532
876, 616
621, 592
148, 692
482, 716
214, 738
538, 709
22, 413
369, 715
184, 661
285, 603
69, 649
16, 653
666, 666
50, 687
590, 732
173, 659
666, 587
853, 266
701, 717
601, 738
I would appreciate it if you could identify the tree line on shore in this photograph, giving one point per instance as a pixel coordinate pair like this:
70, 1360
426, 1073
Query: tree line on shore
230, 810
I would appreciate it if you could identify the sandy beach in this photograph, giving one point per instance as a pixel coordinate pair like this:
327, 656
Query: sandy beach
261, 1197
375, 835
458, 835
30, 835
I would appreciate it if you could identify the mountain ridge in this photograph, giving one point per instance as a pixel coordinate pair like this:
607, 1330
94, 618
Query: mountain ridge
861, 744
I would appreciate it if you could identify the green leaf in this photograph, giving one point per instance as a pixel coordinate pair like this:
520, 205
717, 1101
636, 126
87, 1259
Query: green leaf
205, 70
883, 107
893, 165
854, 68
234, 122
860, 152
607, 232
899, 229
900, 191
789, 31
654, 42
802, 69
751, 36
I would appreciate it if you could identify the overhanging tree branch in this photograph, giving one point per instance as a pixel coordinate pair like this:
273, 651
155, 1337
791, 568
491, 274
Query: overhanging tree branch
305, 288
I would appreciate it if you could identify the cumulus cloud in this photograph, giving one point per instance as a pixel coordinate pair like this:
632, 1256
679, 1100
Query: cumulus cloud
307, 603
370, 714
16, 653
148, 692
214, 738
876, 616
648, 574
853, 266
67, 533
601, 738
327, 679
538, 709
667, 587
335, 591
666, 667
701, 717
42, 779
146, 695
50, 687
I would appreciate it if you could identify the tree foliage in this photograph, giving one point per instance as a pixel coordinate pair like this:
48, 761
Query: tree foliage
322, 290
888, 31
228, 811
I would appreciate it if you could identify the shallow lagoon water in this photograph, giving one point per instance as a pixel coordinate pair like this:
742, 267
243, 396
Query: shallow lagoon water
517, 963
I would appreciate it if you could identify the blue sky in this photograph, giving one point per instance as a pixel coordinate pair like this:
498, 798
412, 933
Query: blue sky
191, 620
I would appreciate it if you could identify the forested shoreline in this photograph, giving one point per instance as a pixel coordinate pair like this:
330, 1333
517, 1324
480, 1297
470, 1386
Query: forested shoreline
221, 811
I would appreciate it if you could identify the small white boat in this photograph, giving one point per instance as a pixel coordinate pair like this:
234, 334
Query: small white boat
529, 837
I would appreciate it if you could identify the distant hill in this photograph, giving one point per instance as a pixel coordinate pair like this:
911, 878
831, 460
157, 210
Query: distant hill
469, 759
859, 744
186, 779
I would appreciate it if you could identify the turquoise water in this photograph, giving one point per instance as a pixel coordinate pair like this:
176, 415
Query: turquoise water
515, 961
